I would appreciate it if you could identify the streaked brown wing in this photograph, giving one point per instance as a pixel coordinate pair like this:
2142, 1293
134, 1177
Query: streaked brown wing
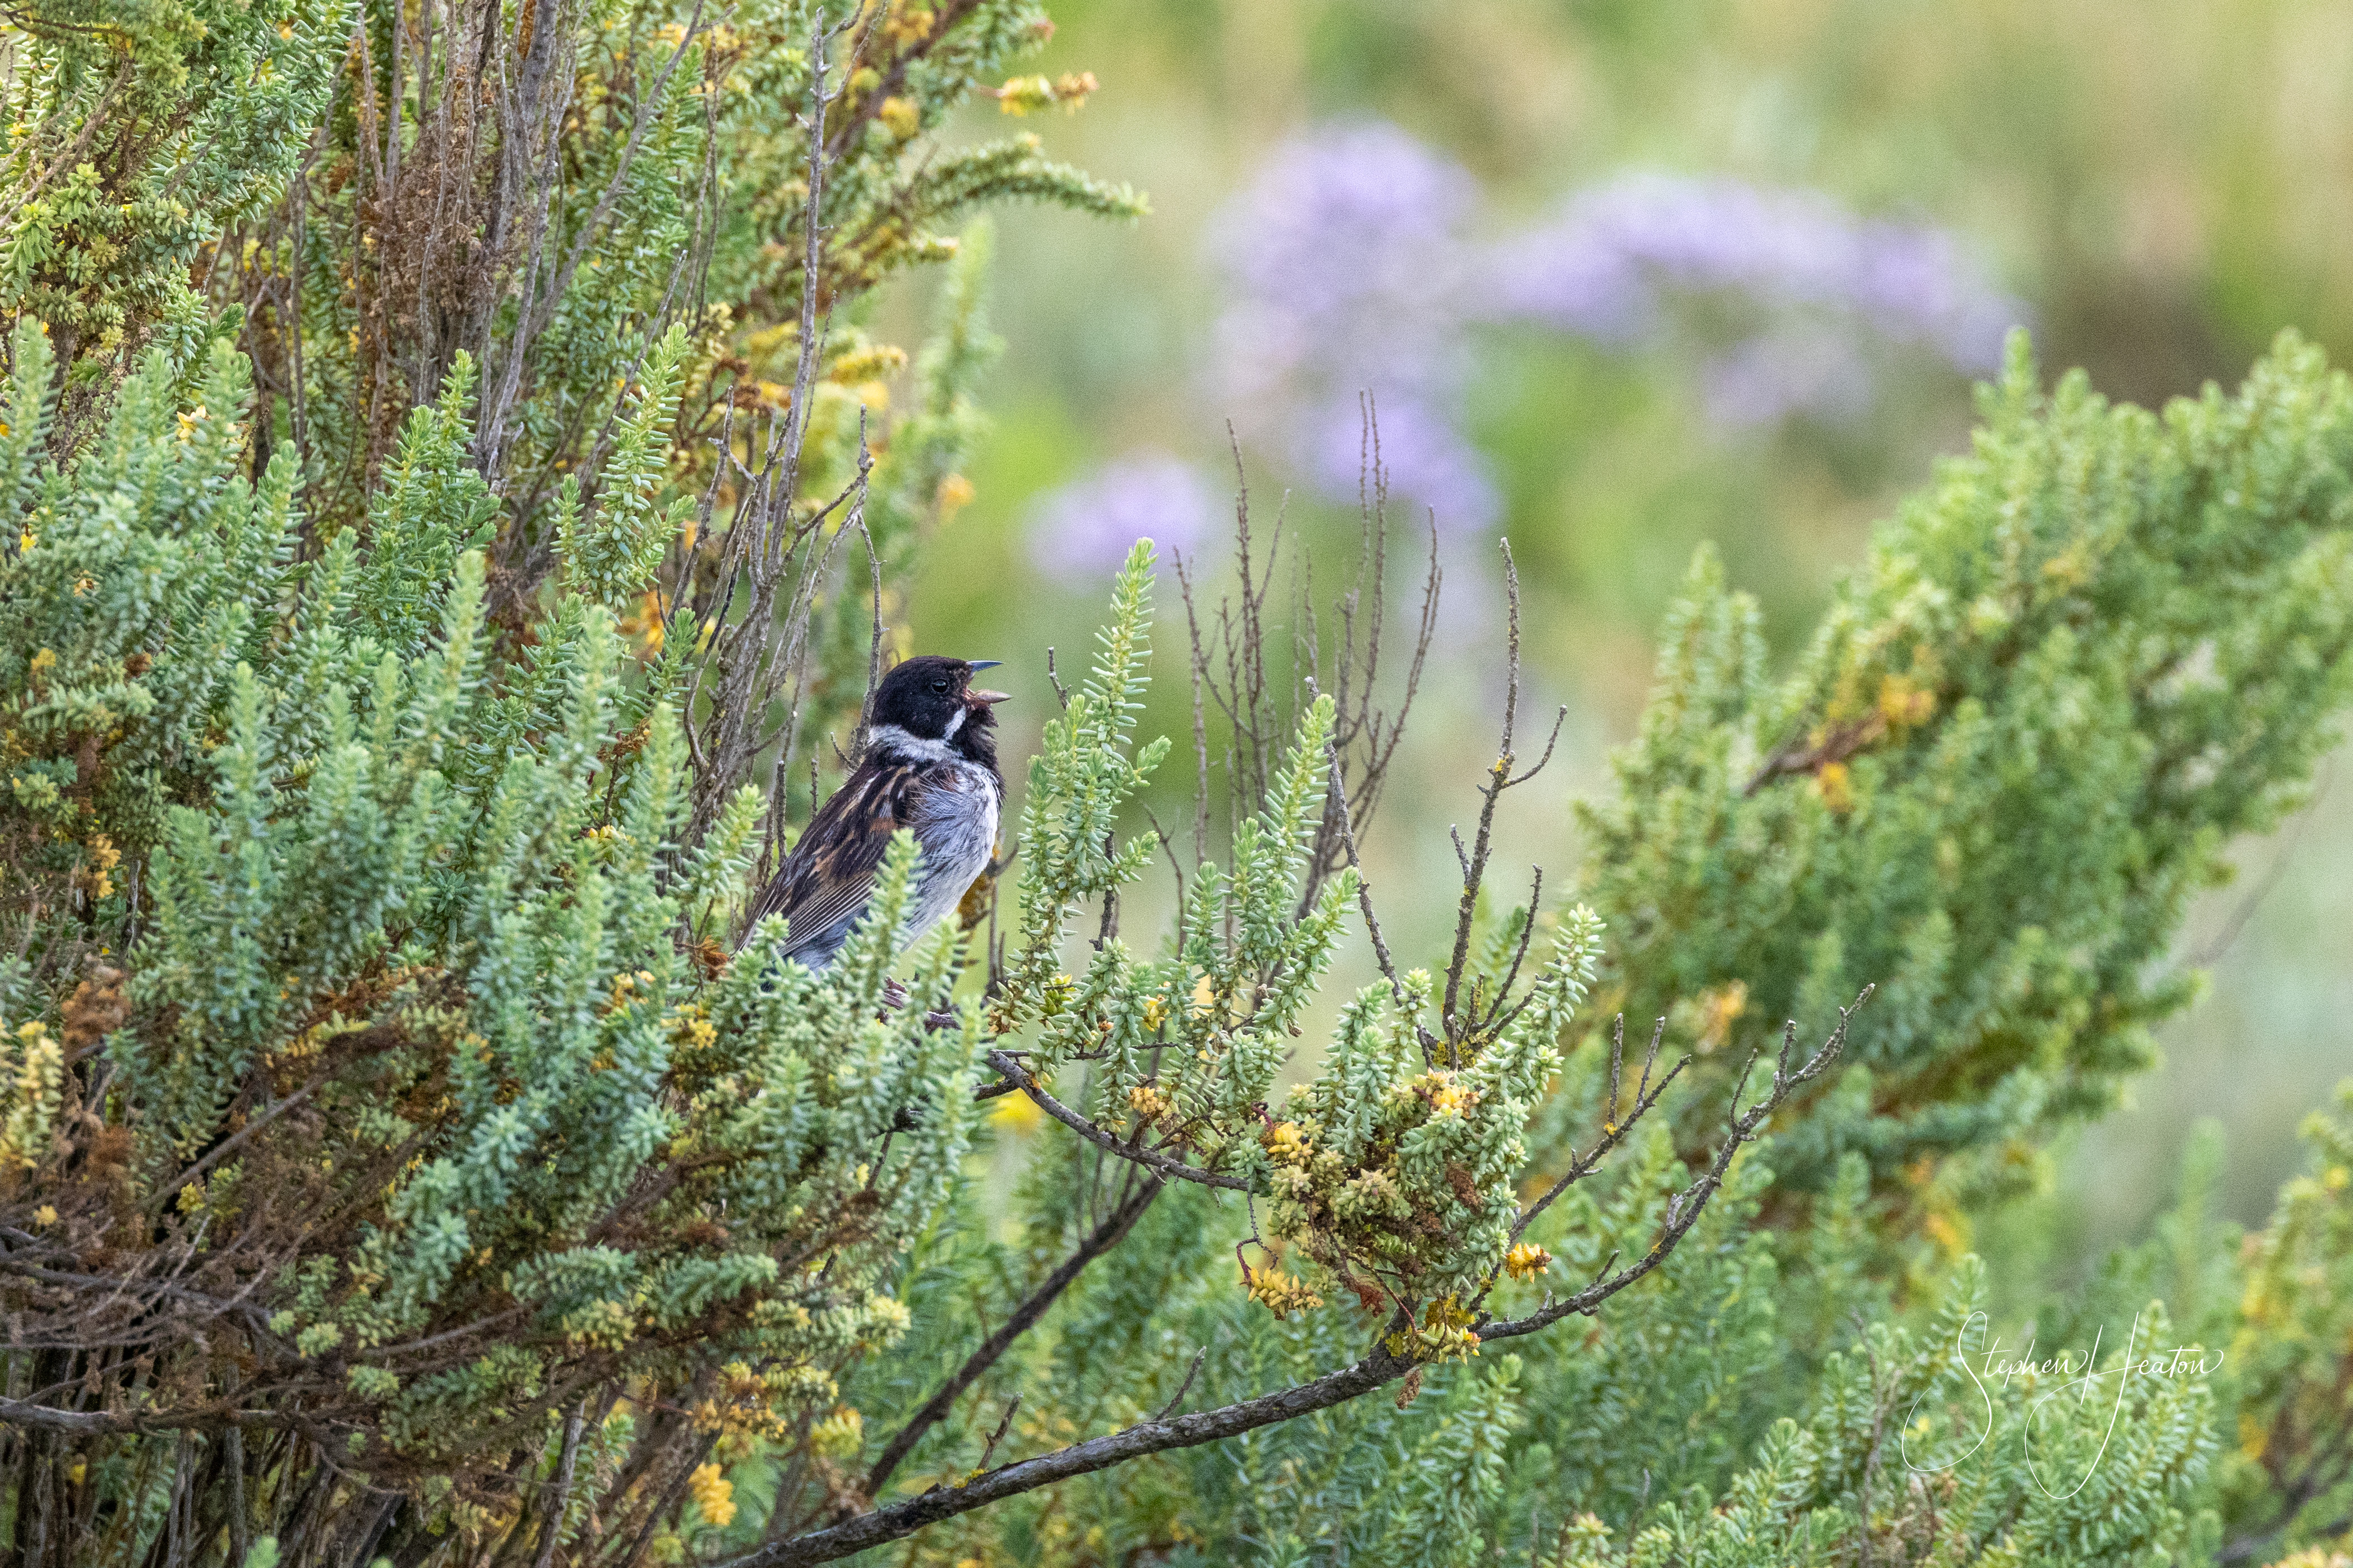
831, 872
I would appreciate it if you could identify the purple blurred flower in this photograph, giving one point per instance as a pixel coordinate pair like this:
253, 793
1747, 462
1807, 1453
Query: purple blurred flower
1350, 228
1426, 461
1796, 369
1601, 269
1085, 529
1348, 267
1350, 273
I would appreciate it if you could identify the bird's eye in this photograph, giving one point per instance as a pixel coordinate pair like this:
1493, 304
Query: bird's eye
939, 685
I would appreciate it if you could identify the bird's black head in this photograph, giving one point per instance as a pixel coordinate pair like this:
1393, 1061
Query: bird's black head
930, 700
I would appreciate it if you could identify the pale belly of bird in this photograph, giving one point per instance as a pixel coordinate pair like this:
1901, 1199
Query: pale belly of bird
956, 822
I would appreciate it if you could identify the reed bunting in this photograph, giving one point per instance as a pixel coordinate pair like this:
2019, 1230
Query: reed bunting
929, 765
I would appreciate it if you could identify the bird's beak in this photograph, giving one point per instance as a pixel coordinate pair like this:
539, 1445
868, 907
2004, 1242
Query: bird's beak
983, 698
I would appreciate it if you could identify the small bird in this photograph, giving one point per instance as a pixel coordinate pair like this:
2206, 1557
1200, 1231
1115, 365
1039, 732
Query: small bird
931, 767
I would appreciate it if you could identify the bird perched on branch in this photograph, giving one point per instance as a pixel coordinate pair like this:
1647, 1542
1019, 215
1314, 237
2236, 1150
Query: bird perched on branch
930, 766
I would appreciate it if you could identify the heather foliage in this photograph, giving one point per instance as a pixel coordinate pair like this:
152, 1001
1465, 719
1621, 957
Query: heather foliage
140, 132
2103, 642
2097, 649
445, 1127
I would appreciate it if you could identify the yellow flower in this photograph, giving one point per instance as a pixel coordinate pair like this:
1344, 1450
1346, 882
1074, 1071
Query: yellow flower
1279, 1292
2316, 1557
1837, 792
1526, 1260
956, 494
1285, 1145
693, 1030
1444, 1333
840, 1435
1719, 1009
103, 858
1148, 1103
901, 116
1024, 95
2252, 1437
1028, 94
911, 24
1904, 704
714, 1494
869, 364
1453, 1097
1016, 1113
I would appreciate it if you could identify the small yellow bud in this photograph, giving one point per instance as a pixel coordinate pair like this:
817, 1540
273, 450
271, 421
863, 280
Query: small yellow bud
1025, 95
714, 1494
1526, 1260
1904, 704
1016, 1113
1837, 792
1279, 1294
1719, 1010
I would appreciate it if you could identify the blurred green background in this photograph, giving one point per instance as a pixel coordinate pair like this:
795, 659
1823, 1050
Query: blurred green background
2158, 187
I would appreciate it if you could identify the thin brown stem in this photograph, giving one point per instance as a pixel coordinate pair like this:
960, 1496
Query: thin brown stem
1016, 1074
1101, 1239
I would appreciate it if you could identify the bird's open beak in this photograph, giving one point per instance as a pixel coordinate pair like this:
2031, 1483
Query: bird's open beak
983, 698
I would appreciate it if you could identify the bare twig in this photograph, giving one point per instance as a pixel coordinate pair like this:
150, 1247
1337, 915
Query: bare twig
999, 1436
1457, 1026
1016, 1074
1685, 1207
1025, 1316
1365, 894
1185, 1387
1614, 1128
903, 1518
550, 1532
